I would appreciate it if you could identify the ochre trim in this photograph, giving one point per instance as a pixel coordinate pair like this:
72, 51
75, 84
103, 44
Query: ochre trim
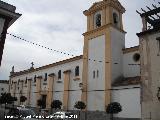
102, 4
38, 89
29, 92
47, 66
108, 67
50, 91
39, 77
66, 89
101, 28
85, 72
132, 49
51, 75
67, 71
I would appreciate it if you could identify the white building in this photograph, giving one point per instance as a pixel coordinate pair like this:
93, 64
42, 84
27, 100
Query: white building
7, 17
106, 72
4, 86
149, 40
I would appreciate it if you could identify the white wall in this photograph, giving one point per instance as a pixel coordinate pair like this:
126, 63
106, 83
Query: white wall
130, 67
150, 60
129, 100
58, 88
5, 88
96, 52
117, 44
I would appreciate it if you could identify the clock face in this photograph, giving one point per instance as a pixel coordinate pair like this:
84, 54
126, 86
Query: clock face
98, 20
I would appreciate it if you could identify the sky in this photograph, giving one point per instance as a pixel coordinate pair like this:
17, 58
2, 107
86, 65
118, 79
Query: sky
57, 24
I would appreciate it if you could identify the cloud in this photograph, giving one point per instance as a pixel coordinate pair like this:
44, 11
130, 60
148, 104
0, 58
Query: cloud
57, 24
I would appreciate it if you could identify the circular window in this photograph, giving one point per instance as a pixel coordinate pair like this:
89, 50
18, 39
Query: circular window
136, 57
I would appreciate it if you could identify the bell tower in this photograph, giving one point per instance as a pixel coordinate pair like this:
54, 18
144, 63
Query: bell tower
103, 44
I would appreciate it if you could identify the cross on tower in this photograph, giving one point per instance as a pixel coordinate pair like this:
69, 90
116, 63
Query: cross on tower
32, 65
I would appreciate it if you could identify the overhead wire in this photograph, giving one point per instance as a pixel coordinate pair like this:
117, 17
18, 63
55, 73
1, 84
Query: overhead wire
42, 46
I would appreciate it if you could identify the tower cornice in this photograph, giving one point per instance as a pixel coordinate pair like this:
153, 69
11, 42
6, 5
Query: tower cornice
102, 4
101, 28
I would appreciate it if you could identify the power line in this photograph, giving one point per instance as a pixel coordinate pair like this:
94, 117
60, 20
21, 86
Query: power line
42, 46
61, 52
33, 43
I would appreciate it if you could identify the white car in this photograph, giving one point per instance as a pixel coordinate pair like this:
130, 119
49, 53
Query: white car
61, 115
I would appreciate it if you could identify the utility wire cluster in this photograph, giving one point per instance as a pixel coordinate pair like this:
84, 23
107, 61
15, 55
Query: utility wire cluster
61, 52
33, 43
42, 46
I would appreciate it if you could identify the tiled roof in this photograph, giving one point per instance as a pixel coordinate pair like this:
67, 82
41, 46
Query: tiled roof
127, 81
7, 6
131, 49
46, 66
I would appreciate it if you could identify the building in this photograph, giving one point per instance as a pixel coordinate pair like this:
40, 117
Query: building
106, 72
7, 17
4, 86
150, 60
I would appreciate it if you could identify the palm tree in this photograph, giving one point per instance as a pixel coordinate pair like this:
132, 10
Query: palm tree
80, 105
113, 108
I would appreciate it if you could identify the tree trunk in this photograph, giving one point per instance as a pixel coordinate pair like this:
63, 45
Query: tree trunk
111, 116
79, 115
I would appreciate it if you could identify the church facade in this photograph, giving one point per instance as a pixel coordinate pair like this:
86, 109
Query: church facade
106, 72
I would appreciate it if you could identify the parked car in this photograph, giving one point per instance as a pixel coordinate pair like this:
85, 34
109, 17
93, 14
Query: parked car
20, 114
61, 115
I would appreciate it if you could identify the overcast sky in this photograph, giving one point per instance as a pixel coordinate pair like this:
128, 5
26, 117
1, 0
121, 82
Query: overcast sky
57, 24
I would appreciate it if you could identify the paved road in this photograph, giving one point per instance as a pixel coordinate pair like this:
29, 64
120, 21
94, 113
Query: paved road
2, 113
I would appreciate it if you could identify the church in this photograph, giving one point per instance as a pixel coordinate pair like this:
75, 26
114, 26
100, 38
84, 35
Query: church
106, 72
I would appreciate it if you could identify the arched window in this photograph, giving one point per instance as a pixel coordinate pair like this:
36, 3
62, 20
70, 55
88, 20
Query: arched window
59, 74
115, 18
94, 74
98, 20
45, 77
18, 81
97, 73
77, 71
35, 78
26, 80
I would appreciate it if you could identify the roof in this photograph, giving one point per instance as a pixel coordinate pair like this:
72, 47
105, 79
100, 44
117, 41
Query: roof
127, 81
98, 5
150, 31
7, 11
131, 49
47, 66
7, 6
4, 81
